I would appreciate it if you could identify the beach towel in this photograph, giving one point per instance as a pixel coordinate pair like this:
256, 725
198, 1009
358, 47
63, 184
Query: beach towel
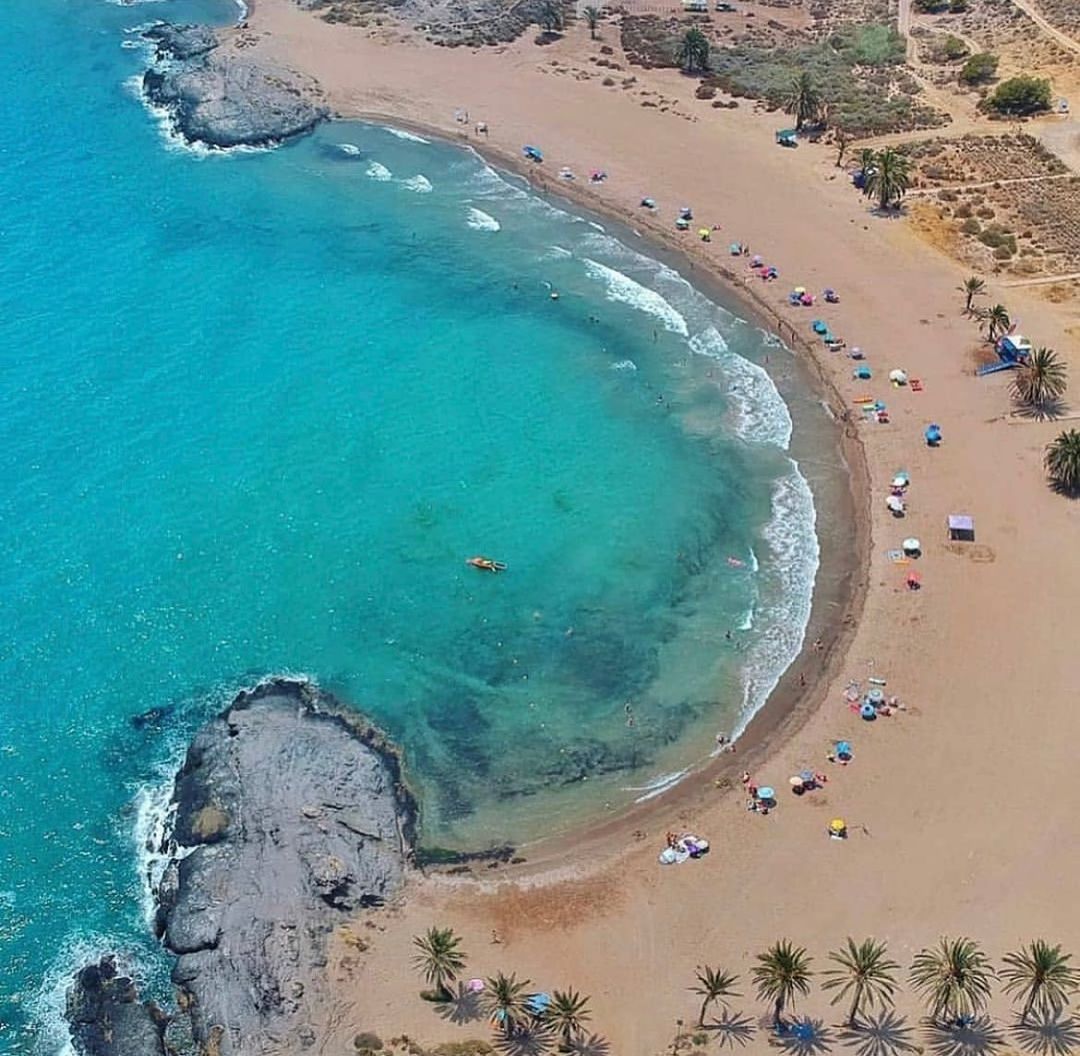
915, 385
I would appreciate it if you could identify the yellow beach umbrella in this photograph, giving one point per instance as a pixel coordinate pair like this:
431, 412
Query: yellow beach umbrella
837, 825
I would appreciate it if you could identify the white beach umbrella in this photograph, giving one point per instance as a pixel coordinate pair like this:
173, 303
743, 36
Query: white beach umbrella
899, 376
911, 546
895, 503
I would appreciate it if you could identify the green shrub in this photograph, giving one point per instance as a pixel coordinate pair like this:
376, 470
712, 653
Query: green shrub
931, 7
995, 238
1003, 253
957, 7
979, 68
1021, 95
970, 226
954, 48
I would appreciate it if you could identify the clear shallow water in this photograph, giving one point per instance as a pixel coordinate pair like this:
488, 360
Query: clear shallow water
256, 412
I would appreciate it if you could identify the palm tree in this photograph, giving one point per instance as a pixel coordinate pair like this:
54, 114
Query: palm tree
1041, 380
954, 978
782, 971
997, 322
1062, 461
693, 53
592, 17
714, 984
865, 972
505, 1002
803, 101
551, 16
1040, 975
440, 959
973, 287
867, 158
888, 178
567, 1014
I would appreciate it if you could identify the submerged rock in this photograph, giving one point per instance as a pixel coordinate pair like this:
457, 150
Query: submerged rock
107, 1018
290, 815
221, 98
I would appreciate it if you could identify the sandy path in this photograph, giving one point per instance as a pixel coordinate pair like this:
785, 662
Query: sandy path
962, 809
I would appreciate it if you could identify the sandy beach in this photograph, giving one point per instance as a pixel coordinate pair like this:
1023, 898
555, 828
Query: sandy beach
960, 807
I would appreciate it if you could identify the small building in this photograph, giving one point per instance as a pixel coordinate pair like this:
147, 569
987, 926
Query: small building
696, 6
1014, 348
962, 527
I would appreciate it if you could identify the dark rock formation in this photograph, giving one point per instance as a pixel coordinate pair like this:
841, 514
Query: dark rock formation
290, 816
108, 1019
221, 98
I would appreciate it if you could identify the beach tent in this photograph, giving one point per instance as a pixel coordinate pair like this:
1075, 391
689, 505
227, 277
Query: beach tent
1014, 347
862, 373
532, 153
961, 526
787, 137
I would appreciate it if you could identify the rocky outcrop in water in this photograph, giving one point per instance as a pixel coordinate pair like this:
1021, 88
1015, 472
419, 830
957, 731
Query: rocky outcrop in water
290, 816
107, 1018
219, 97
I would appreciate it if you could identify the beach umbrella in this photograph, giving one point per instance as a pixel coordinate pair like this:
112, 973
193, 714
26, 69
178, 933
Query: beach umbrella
868, 711
796, 782
704, 232
895, 503
911, 546
901, 480
898, 376
933, 434
800, 290
837, 825
538, 1003
843, 748
734, 249
806, 776
474, 986
766, 792
876, 695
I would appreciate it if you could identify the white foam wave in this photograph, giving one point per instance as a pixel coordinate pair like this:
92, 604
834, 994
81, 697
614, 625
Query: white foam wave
788, 589
624, 364
478, 220
556, 253
760, 414
379, 172
623, 289
152, 833
487, 183
420, 184
658, 785
412, 137
349, 148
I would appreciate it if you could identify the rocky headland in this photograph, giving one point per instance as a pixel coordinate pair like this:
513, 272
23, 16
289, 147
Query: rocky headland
290, 816
219, 97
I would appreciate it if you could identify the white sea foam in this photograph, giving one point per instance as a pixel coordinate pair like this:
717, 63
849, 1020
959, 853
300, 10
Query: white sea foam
478, 220
789, 576
623, 289
379, 172
412, 137
760, 414
556, 253
420, 184
152, 834
657, 785
349, 148
624, 364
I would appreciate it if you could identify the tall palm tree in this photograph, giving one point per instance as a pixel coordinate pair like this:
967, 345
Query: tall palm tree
551, 16
505, 1002
888, 178
440, 959
1040, 975
693, 52
1041, 380
567, 1014
803, 101
1062, 461
714, 984
953, 977
973, 287
782, 971
592, 18
997, 322
864, 972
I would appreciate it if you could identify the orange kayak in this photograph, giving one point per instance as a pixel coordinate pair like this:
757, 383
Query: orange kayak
486, 564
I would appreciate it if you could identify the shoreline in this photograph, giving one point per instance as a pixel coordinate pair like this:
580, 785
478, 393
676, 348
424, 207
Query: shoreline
789, 705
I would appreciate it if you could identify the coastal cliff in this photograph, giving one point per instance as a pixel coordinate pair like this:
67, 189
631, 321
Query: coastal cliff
290, 816
218, 97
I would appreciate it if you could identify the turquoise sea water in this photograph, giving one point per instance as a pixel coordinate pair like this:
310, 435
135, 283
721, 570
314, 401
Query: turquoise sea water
258, 409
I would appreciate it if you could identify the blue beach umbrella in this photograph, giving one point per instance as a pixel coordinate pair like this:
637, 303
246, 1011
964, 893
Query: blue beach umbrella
765, 792
868, 711
806, 776
538, 1003
844, 748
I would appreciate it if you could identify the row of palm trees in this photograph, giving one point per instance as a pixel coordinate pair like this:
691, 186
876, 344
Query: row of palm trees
1038, 385
954, 978
508, 1002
